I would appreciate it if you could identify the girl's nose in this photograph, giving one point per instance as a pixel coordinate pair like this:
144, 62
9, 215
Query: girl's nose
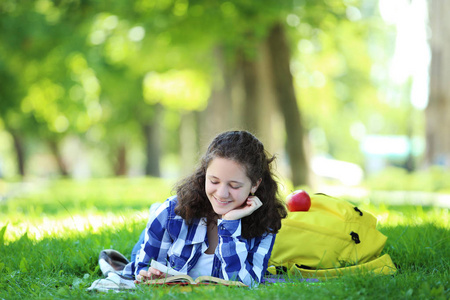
222, 191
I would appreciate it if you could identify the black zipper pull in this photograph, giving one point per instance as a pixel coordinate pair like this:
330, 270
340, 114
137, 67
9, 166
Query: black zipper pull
355, 237
357, 210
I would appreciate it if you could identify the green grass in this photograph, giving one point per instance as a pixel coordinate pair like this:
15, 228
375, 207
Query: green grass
433, 179
50, 240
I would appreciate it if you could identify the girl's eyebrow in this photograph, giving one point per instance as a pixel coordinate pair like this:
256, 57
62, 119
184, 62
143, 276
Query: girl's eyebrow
231, 181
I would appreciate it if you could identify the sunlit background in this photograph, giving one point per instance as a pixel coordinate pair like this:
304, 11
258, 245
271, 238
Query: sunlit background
105, 105
139, 88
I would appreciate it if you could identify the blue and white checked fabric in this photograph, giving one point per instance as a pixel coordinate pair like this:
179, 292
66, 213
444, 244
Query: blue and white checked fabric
171, 241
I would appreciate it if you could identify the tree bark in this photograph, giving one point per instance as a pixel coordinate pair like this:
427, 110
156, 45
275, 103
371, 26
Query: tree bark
251, 105
189, 146
438, 109
220, 114
270, 120
152, 141
121, 163
20, 153
62, 167
285, 94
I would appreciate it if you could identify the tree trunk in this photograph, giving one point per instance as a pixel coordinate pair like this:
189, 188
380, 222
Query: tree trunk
62, 167
438, 109
152, 140
121, 163
270, 120
251, 105
189, 146
20, 153
220, 114
285, 94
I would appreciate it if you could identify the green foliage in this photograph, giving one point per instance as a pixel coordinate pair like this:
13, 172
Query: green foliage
62, 266
82, 68
2, 234
177, 89
340, 98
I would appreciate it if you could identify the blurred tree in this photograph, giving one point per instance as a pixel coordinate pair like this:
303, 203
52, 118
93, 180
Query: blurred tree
119, 72
10, 111
285, 94
438, 109
220, 102
340, 78
145, 72
36, 47
251, 105
243, 40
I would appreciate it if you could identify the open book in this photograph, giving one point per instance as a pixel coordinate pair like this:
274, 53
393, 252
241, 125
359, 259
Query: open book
183, 279
186, 279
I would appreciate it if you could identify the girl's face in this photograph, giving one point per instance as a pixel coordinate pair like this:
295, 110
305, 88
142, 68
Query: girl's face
227, 185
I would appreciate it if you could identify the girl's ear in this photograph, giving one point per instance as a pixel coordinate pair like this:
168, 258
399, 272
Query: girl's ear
255, 187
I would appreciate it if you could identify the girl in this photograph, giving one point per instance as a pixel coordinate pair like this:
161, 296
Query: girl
222, 221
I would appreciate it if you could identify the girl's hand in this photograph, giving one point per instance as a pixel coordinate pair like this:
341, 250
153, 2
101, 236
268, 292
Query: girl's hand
152, 273
249, 206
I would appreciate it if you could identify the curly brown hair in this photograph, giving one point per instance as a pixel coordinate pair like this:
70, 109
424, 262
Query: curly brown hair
245, 149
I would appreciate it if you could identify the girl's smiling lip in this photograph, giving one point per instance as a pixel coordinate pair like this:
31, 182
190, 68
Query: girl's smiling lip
221, 202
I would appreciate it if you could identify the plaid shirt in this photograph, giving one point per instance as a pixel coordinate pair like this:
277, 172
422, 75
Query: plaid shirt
169, 240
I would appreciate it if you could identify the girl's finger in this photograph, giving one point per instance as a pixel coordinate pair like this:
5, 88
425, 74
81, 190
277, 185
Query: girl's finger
256, 201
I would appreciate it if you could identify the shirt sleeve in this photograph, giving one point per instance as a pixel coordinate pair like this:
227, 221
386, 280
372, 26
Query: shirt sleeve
156, 241
242, 259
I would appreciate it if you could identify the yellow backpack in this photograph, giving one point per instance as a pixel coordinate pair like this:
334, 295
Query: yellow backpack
332, 238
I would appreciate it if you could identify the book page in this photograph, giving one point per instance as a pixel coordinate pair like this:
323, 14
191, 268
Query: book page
215, 280
163, 268
178, 279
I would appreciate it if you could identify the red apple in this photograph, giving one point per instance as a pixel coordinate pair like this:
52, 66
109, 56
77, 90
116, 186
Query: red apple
298, 201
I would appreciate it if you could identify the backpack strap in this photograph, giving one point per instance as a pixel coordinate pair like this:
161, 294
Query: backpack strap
382, 265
